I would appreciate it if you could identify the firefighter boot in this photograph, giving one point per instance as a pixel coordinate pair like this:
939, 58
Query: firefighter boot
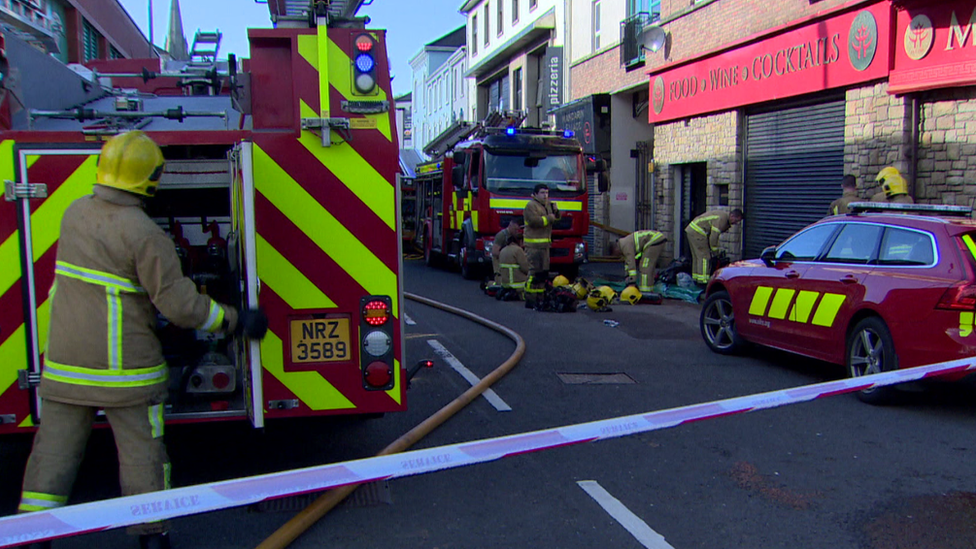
154, 541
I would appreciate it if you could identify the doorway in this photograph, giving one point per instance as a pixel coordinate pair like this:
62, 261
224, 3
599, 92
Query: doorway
690, 184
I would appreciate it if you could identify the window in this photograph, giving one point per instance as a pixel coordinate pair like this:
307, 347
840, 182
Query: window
652, 7
487, 22
517, 89
856, 244
500, 15
596, 25
474, 35
903, 247
91, 38
515, 6
807, 245
533, 4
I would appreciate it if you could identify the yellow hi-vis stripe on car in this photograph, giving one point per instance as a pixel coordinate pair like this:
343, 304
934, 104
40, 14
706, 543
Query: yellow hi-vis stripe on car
519, 204
803, 306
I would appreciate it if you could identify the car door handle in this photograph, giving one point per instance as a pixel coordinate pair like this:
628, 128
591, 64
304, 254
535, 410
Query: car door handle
849, 279
792, 274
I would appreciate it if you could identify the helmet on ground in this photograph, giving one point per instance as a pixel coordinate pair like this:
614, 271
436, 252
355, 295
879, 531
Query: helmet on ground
579, 289
892, 183
596, 301
631, 295
607, 293
560, 281
132, 162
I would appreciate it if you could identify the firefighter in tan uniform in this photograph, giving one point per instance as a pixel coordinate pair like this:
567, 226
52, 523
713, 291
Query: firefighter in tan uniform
703, 233
894, 188
501, 240
514, 265
115, 268
641, 251
849, 194
539, 215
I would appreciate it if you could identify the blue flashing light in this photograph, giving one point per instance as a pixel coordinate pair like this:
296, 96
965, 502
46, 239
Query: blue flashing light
509, 131
568, 134
364, 62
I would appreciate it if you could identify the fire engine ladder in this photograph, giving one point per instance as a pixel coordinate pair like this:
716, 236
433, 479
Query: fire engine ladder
462, 130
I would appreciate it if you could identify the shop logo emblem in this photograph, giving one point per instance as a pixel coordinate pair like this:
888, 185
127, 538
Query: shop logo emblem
919, 37
862, 41
658, 95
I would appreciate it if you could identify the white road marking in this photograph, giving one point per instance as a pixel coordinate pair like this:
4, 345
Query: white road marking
637, 527
467, 374
408, 320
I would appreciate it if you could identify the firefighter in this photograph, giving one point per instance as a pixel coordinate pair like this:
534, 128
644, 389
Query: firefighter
539, 215
894, 188
641, 251
703, 233
514, 266
502, 240
849, 194
115, 268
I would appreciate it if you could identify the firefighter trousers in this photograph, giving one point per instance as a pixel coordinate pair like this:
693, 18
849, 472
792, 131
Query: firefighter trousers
59, 447
701, 255
538, 274
648, 266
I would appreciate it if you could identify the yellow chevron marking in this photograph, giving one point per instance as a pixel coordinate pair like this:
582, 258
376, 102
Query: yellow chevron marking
43, 324
46, 220
28, 422
31, 159
13, 357
759, 300
395, 392
803, 306
781, 301
355, 173
474, 219
287, 281
322, 48
323, 228
310, 387
827, 310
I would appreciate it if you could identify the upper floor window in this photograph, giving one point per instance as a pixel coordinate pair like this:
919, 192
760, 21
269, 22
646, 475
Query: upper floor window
533, 4
596, 25
651, 7
500, 15
474, 35
487, 21
91, 39
515, 11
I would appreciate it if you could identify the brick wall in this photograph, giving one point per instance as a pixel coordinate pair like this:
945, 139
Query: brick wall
877, 134
947, 148
714, 140
602, 73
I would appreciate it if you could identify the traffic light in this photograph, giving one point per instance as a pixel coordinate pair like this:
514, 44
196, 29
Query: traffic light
364, 66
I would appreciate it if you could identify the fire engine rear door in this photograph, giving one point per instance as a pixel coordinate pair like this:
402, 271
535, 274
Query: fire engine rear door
242, 247
67, 174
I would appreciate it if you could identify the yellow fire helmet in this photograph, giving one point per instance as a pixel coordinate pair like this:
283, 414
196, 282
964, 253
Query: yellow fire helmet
131, 162
560, 281
892, 183
596, 301
607, 293
631, 295
579, 288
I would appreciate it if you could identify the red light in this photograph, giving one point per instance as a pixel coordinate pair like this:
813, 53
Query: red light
378, 374
960, 296
376, 313
364, 43
220, 380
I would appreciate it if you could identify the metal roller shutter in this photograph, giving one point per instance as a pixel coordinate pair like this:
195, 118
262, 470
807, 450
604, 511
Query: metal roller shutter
794, 166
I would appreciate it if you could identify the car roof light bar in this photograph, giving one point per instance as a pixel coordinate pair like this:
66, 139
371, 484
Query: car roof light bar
888, 207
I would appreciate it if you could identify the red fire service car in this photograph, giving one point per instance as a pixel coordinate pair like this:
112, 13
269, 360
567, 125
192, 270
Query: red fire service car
887, 286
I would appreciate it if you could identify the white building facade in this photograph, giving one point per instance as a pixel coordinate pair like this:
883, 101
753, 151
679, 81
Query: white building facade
440, 93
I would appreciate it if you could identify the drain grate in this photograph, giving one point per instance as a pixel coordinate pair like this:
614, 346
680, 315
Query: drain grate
373, 494
596, 379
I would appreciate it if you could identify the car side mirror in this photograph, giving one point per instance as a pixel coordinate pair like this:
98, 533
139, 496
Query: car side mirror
768, 256
603, 182
595, 164
457, 176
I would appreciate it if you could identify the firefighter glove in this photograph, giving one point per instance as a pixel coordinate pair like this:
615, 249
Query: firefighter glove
252, 323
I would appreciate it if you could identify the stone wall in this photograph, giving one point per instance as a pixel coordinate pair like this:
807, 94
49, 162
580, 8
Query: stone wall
877, 134
715, 140
947, 148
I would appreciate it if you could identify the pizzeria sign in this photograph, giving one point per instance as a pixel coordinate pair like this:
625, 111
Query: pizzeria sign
842, 50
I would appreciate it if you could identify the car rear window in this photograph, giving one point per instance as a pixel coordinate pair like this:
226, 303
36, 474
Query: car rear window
904, 247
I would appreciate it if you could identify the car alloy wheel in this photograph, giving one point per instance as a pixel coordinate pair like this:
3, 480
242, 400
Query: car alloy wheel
871, 350
717, 324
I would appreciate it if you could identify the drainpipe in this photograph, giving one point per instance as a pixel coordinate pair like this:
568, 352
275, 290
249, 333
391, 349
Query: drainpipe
916, 135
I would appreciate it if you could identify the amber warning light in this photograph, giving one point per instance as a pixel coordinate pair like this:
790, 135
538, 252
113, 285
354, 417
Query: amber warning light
376, 313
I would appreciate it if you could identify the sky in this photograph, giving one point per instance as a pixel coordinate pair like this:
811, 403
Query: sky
410, 25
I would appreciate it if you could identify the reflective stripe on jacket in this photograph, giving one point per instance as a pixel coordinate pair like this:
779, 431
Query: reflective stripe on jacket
514, 266
633, 245
115, 268
710, 225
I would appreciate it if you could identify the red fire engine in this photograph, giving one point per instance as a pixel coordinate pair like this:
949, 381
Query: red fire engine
278, 190
484, 178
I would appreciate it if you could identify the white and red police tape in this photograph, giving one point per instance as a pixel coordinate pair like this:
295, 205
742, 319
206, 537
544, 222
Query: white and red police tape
125, 511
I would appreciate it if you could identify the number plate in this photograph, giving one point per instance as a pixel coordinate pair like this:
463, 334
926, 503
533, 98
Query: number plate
320, 340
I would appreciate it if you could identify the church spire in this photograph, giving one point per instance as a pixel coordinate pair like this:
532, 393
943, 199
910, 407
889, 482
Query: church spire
175, 39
